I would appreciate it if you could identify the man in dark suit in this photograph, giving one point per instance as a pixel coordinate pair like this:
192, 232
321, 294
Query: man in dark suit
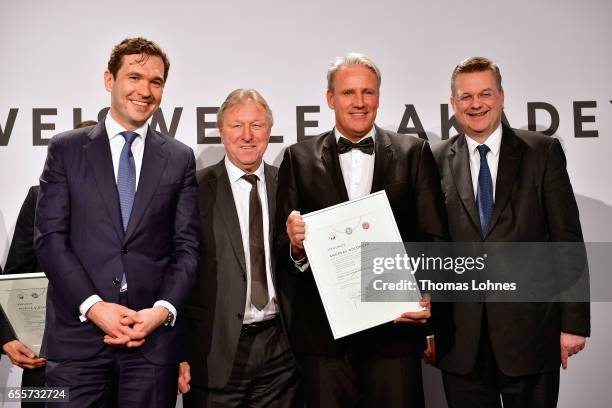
380, 366
504, 185
238, 350
117, 233
22, 259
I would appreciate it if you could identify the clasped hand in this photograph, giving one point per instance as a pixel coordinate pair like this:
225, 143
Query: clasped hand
125, 327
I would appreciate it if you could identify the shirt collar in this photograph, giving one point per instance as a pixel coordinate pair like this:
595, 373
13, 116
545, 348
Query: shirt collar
113, 128
235, 173
493, 142
371, 133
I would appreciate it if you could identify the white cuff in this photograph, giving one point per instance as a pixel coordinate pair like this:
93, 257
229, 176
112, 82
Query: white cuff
168, 306
300, 264
86, 305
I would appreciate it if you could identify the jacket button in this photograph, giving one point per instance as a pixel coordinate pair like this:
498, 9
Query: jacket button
239, 315
124, 251
116, 281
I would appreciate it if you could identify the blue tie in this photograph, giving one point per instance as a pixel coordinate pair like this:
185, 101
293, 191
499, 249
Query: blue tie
126, 178
126, 183
484, 197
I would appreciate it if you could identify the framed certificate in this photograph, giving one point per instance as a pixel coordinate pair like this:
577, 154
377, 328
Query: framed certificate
23, 298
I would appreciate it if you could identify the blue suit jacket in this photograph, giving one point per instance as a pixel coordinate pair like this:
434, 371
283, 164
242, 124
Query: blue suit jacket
81, 244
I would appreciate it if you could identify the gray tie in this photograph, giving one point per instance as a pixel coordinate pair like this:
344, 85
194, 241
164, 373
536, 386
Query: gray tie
259, 281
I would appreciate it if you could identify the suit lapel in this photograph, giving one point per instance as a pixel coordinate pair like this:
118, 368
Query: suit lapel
459, 163
99, 157
510, 154
329, 156
225, 204
383, 157
271, 195
154, 163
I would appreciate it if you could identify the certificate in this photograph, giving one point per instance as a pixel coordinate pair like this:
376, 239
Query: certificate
336, 239
23, 299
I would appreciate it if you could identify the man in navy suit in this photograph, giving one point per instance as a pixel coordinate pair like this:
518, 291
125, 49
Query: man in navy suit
117, 233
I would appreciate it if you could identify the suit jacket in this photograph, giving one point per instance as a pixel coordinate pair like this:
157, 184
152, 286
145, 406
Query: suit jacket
6, 331
215, 308
310, 179
534, 202
81, 244
21, 257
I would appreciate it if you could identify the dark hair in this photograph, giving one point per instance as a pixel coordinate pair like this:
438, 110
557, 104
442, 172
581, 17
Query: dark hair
85, 123
137, 45
476, 64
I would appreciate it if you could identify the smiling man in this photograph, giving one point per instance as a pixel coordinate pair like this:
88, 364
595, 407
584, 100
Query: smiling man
379, 367
117, 233
238, 349
504, 185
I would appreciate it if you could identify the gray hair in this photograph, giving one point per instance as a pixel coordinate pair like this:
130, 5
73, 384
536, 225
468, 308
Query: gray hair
476, 64
353, 58
241, 95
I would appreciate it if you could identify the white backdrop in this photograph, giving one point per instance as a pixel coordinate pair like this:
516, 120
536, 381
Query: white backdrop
557, 52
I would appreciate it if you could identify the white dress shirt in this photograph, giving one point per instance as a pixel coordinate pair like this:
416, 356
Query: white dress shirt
357, 168
116, 140
358, 173
241, 190
494, 144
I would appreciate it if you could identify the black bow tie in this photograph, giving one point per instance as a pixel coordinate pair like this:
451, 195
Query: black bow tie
366, 145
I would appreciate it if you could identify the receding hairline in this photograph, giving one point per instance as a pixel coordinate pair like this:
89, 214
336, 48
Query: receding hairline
474, 65
351, 60
240, 96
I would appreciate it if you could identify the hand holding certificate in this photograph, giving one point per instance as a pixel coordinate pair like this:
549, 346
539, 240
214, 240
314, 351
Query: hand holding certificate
23, 299
337, 239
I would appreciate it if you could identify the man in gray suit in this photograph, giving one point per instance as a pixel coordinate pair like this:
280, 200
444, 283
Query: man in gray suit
238, 352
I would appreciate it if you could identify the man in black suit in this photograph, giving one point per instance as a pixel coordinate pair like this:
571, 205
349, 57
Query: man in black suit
238, 350
504, 185
380, 366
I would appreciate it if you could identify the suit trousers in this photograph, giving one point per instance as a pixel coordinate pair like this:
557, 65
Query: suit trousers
115, 377
360, 379
264, 375
486, 385
33, 378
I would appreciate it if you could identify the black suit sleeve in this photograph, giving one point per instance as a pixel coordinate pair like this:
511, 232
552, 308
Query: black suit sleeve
286, 201
6, 333
6, 330
564, 225
430, 214
21, 256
